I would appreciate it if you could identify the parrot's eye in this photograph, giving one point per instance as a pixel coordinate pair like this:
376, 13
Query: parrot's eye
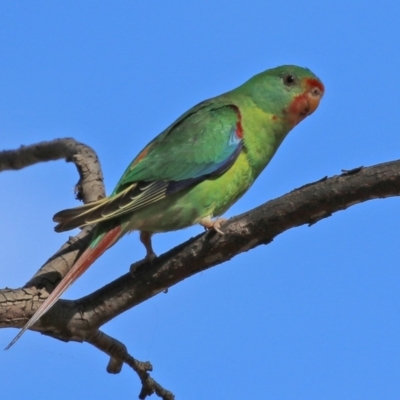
289, 80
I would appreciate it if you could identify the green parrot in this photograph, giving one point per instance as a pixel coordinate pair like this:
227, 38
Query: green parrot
195, 169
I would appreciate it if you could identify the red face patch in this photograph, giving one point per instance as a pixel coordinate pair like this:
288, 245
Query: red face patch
298, 109
306, 103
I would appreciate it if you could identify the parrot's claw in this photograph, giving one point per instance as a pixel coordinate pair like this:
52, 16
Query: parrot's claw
208, 223
148, 259
135, 266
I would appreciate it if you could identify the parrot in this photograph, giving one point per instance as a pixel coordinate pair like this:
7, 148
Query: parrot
194, 170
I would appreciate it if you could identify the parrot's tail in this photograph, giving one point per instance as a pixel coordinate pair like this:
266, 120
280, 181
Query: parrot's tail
105, 241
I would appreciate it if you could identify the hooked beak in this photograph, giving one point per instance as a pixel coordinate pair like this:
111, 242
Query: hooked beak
314, 94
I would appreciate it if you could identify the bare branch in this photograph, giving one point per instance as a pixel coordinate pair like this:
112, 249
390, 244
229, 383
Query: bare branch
90, 186
306, 205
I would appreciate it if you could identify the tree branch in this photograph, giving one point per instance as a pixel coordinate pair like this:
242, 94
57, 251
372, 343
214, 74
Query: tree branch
90, 186
81, 319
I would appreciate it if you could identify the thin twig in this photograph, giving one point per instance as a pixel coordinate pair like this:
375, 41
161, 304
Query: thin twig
118, 355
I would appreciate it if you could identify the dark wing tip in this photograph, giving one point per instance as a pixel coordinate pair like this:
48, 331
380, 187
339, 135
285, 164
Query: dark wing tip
59, 228
70, 219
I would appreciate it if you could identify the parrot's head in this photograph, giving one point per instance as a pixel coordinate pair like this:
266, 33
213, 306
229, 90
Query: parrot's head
290, 93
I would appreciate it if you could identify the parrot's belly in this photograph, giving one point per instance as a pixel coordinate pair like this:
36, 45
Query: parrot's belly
209, 198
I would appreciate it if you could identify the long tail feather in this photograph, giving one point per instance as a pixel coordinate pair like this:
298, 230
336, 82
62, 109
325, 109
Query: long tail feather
83, 263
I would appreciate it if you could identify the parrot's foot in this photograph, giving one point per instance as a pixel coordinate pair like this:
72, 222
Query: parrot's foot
208, 223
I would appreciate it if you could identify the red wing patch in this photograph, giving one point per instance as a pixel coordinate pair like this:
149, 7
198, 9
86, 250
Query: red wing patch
141, 156
239, 127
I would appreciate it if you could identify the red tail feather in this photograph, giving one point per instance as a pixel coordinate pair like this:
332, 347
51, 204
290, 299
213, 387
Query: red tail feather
88, 257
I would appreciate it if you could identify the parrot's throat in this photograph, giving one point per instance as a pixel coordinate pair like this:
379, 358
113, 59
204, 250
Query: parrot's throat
298, 109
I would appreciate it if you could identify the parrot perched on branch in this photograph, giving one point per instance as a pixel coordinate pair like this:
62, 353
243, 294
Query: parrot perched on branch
195, 169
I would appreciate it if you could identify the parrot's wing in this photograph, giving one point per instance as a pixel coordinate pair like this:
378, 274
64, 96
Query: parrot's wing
198, 144
203, 143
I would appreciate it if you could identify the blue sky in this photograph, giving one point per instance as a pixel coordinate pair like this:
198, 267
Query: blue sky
313, 315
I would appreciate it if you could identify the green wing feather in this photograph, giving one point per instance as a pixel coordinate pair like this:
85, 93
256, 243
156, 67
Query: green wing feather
199, 144
192, 146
